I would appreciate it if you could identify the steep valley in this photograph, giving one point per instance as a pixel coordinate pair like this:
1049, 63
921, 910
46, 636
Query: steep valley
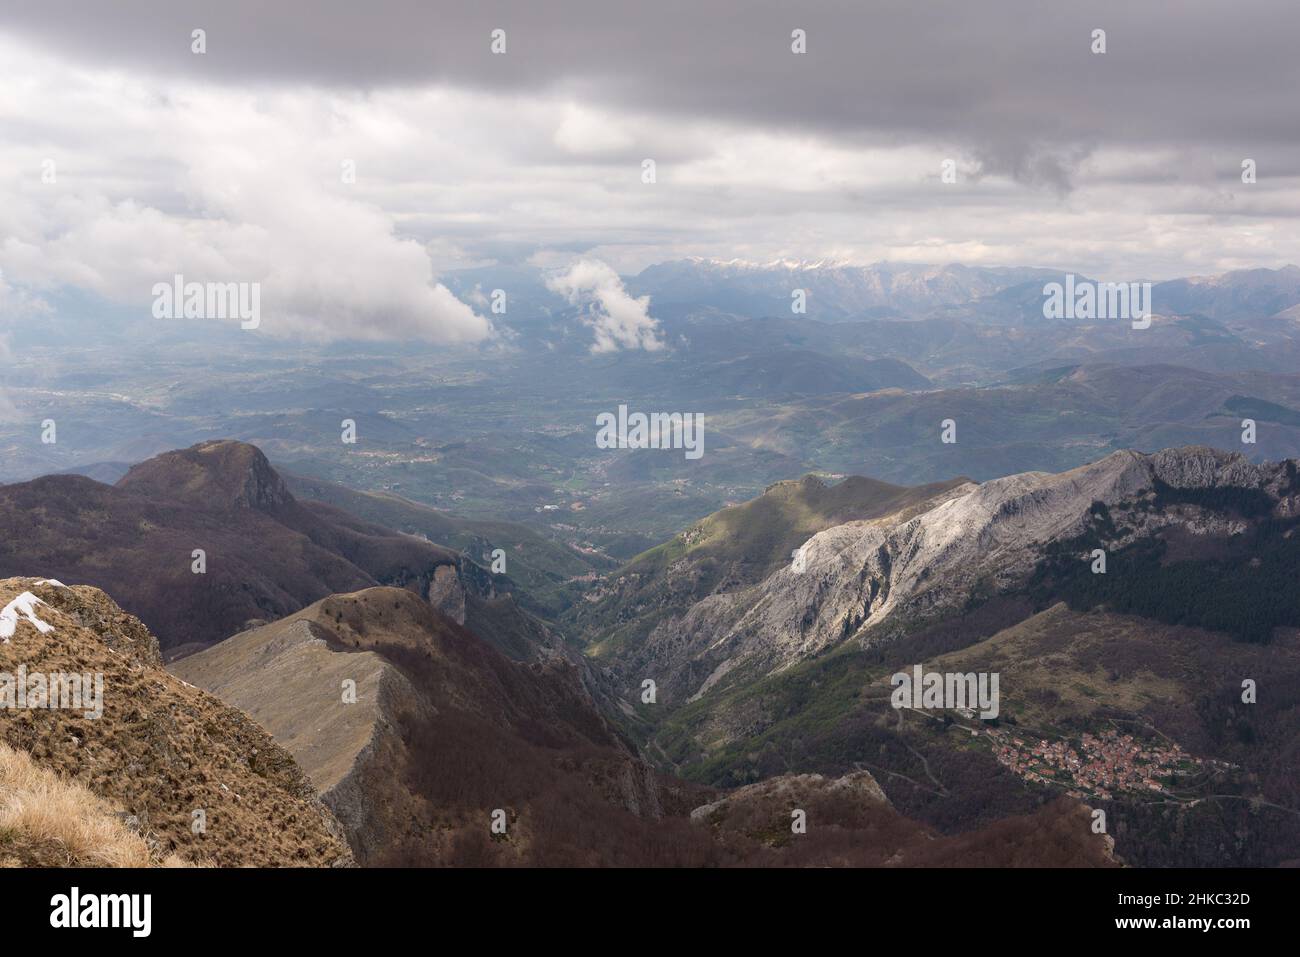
440, 714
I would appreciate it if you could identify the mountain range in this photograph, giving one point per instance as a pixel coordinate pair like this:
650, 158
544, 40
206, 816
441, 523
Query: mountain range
414, 731
421, 698
842, 291
771, 631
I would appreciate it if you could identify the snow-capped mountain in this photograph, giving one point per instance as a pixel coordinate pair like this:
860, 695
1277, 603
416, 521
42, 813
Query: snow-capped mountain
834, 290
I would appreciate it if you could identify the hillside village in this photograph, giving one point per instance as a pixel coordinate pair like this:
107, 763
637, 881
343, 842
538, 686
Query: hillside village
1101, 766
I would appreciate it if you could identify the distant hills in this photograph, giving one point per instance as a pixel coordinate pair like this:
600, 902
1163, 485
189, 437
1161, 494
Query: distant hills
505, 433
1236, 295
839, 291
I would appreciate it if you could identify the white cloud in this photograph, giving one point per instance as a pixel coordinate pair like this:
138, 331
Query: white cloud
236, 188
619, 320
159, 174
584, 131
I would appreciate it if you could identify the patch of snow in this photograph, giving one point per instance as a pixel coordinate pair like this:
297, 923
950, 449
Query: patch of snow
22, 607
52, 581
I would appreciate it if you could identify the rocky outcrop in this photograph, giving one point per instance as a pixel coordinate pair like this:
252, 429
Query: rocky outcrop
859, 576
792, 791
217, 472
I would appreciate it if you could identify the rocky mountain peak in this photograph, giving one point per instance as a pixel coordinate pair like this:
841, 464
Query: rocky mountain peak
215, 473
860, 575
1199, 466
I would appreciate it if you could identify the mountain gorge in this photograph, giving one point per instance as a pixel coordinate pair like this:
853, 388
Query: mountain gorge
453, 755
415, 737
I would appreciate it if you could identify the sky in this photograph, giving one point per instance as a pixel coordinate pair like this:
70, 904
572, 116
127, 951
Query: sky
126, 157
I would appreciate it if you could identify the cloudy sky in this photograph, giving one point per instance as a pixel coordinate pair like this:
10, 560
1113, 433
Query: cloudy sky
229, 164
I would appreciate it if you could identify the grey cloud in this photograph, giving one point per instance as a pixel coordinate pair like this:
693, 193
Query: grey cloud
1013, 80
763, 154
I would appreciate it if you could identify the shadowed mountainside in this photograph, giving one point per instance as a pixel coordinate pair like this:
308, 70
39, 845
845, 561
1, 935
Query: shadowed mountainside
266, 554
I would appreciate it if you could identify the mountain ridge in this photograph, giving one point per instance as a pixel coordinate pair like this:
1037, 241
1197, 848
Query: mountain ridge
264, 553
858, 576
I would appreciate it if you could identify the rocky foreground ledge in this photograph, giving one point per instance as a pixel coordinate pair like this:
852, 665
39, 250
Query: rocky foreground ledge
197, 780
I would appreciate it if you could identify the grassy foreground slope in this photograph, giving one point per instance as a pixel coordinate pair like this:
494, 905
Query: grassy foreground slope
169, 755
47, 820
